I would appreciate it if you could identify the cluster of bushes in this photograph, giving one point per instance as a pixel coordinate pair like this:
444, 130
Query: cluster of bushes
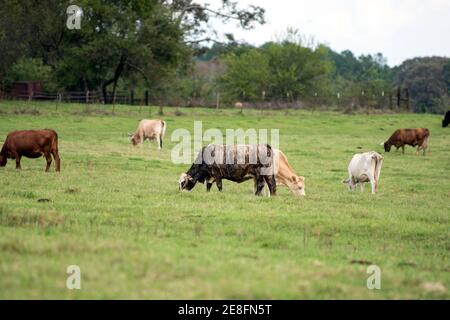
290, 74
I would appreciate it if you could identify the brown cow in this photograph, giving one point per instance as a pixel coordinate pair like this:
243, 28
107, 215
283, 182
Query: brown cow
31, 144
413, 137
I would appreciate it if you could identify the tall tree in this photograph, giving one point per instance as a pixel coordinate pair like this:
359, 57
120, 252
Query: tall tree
117, 38
427, 81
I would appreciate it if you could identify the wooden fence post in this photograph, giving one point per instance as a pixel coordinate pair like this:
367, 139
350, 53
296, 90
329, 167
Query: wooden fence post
58, 99
217, 100
407, 99
146, 97
132, 97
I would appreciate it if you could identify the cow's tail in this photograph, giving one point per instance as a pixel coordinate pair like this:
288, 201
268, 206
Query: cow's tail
163, 133
54, 150
54, 144
163, 128
376, 172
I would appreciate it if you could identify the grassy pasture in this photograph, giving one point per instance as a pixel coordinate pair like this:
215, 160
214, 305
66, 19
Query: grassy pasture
116, 212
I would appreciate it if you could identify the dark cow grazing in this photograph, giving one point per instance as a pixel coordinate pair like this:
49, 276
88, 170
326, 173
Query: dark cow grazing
235, 163
446, 120
413, 137
31, 144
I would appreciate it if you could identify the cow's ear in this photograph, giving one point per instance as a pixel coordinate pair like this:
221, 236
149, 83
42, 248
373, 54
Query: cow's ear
346, 181
302, 178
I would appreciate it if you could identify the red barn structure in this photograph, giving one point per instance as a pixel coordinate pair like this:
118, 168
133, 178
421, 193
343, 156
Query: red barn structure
25, 89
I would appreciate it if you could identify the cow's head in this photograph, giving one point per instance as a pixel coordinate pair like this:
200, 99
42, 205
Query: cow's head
134, 138
350, 183
298, 185
387, 146
445, 122
186, 182
3, 160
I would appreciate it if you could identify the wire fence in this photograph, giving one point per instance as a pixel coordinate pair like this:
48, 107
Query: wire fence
94, 97
392, 101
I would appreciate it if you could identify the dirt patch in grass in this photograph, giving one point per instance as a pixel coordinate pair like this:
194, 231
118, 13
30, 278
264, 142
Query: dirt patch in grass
72, 190
25, 194
33, 112
29, 219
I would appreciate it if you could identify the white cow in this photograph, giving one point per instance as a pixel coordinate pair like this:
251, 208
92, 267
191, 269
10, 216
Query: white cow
364, 167
151, 130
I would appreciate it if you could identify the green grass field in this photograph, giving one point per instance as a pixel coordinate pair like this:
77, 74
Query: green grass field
116, 212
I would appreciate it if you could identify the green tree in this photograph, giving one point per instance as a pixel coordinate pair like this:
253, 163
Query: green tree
29, 70
247, 76
118, 39
296, 70
427, 82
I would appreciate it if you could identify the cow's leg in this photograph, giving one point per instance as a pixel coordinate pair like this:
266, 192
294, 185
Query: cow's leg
361, 186
141, 138
219, 184
48, 157
352, 184
419, 148
208, 186
259, 185
55, 155
18, 157
403, 149
425, 146
272, 184
373, 184
160, 142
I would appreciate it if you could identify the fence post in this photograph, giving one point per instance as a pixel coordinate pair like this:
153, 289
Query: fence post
408, 107
132, 97
87, 96
146, 97
217, 100
58, 99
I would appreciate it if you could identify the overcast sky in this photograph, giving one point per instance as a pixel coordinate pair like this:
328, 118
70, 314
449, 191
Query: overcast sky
400, 29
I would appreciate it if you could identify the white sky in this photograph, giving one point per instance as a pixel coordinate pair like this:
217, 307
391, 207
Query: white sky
400, 29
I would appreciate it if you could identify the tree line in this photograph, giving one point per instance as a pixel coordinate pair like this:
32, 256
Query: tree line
162, 47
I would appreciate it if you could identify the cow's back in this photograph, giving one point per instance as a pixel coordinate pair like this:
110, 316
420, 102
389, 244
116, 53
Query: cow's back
281, 163
30, 142
235, 162
151, 126
409, 136
361, 164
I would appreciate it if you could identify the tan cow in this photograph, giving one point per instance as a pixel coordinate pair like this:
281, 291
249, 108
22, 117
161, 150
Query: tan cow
285, 175
151, 130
